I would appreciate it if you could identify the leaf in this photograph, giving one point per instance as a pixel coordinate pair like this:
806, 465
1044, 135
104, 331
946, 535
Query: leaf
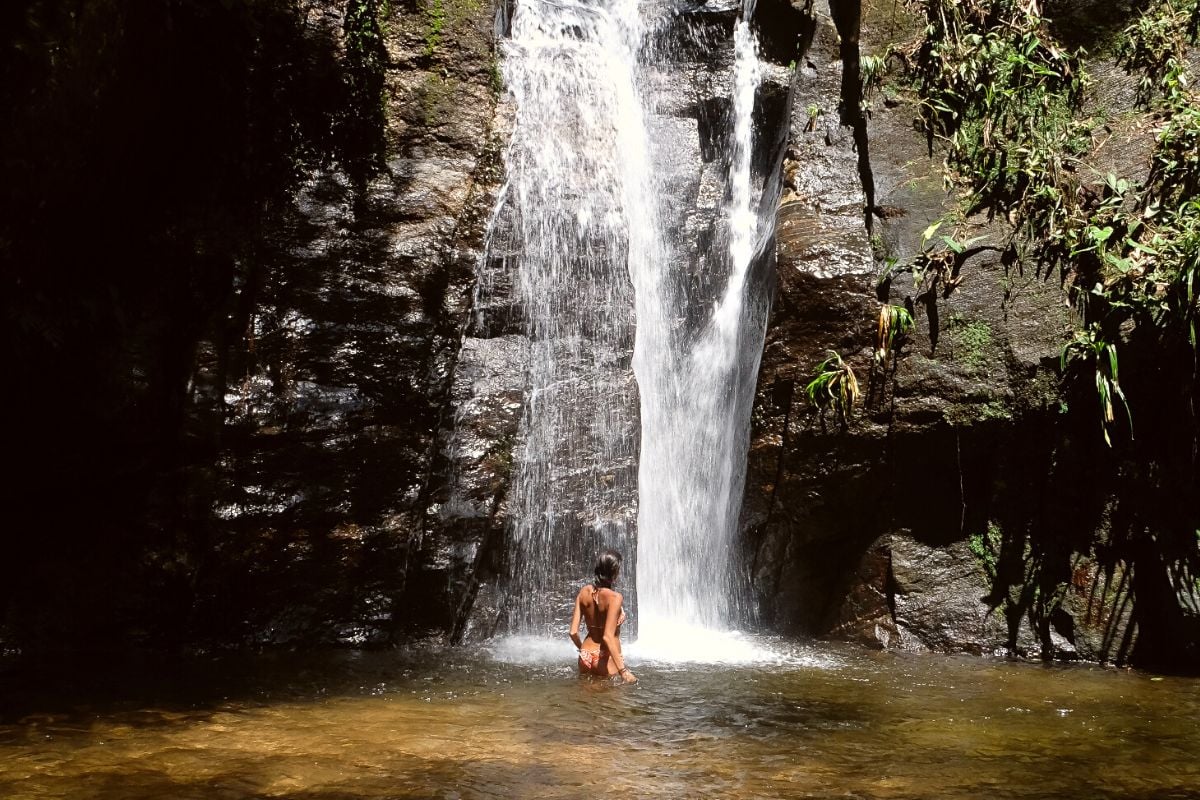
1122, 264
953, 244
930, 231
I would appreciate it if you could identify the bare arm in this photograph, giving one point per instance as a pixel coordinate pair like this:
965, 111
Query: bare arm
575, 623
613, 618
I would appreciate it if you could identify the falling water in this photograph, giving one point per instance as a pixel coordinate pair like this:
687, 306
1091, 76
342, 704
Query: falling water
575, 166
696, 394
585, 224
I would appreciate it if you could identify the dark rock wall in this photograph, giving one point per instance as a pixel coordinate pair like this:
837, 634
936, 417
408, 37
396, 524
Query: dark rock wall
285, 412
332, 394
277, 299
150, 151
962, 508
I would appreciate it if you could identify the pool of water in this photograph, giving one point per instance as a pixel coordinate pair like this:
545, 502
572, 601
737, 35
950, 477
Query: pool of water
513, 720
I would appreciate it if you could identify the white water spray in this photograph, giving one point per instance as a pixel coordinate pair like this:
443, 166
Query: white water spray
584, 219
695, 397
571, 216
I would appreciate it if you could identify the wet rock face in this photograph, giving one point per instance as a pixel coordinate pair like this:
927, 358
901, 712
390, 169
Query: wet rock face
329, 387
914, 526
358, 419
687, 72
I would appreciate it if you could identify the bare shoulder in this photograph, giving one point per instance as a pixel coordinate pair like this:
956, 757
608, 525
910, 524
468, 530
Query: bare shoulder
612, 595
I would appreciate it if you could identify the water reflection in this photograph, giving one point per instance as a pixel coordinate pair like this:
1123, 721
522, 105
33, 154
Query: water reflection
830, 722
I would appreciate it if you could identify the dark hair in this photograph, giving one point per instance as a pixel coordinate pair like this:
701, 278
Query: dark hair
608, 564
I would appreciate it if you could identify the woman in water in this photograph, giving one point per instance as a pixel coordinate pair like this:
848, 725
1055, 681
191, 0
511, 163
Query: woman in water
599, 607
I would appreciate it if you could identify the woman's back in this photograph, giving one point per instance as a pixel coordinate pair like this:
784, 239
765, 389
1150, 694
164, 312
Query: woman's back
594, 604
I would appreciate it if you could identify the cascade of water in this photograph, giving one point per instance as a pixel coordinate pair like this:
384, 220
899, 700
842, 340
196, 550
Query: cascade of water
583, 220
573, 213
695, 400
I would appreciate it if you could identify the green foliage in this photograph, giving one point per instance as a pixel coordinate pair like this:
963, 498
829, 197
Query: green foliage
895, 323
364, 32
1091, 353
1001, 94
938, 262
985, 546
495, 78
834, 386
1005, 100
1132, 251
871, 72
813, 112
1156, 45
975, 339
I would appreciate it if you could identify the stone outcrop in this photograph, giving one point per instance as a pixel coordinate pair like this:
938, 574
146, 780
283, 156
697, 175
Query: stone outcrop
330, 397
353, 418
944, 514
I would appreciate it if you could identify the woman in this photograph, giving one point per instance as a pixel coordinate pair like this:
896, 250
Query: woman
599, 607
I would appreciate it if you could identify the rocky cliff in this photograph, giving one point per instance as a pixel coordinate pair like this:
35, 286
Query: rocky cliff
308, 431
961, 507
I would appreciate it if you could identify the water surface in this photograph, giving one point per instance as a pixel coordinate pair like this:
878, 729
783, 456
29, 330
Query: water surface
514, 720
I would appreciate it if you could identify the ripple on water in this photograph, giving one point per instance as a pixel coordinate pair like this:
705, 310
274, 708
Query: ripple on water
510, 719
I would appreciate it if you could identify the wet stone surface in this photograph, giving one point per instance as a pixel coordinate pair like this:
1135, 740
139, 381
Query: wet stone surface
887, 531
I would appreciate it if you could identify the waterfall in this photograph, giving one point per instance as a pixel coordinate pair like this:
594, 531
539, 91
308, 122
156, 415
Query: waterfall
587, 225
573, 212
696, 395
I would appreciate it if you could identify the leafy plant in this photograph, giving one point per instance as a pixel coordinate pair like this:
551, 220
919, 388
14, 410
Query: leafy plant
814, 111
1001, 94
1089, 350
1156, 43
834, 386
871, 71
940, 260
895, 323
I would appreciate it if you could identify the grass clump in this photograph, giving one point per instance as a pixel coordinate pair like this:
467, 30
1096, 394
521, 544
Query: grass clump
895, 323
834, 386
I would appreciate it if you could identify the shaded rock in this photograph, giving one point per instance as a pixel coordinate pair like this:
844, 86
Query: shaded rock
937, 598
334, 377
936, 518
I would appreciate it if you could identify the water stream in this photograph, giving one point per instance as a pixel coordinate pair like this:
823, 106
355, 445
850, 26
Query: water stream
591, 222
563, 225
696, 386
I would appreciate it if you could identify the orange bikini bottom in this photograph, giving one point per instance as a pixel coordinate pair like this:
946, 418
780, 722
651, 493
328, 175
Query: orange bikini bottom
594, 661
